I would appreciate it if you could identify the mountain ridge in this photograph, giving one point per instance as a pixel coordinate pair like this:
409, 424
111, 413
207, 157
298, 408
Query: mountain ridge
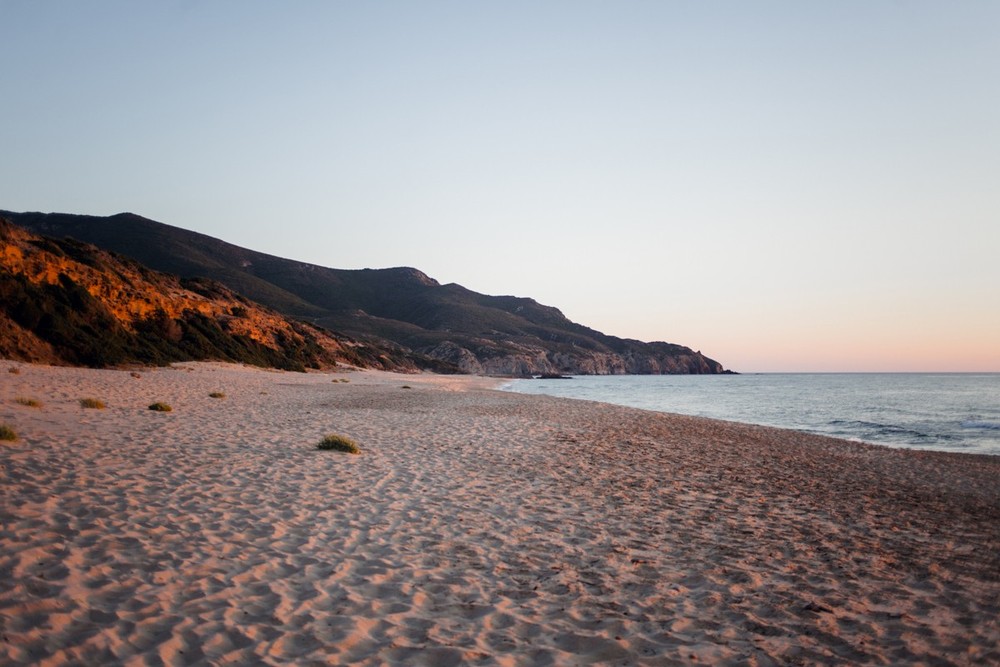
478, 333
67, 302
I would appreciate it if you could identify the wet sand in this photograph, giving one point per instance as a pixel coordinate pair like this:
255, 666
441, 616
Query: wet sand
476, 527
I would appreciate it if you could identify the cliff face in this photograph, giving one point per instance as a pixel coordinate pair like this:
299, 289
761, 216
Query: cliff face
67, 302
523, 361
446, 325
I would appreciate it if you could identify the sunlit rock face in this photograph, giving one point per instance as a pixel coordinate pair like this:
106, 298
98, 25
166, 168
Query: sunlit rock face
70, 302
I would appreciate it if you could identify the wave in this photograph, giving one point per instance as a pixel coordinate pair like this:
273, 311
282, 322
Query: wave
886, 430
981, 425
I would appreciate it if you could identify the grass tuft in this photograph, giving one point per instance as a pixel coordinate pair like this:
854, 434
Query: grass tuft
216, 394
93, 403
339, 443
7, 433
160, 407
15, 370
30, 402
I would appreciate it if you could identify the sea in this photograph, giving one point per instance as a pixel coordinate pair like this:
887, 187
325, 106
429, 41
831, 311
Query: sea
951, 412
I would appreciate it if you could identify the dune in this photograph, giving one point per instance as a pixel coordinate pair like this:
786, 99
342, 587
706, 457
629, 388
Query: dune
475, 527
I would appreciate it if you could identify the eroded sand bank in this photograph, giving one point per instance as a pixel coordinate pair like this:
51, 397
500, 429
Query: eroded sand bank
477, 527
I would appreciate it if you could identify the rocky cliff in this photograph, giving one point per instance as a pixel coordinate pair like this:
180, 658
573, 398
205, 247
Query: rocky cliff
401, 307
63, 301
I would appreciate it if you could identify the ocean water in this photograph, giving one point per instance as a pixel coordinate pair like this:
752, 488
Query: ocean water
955, 412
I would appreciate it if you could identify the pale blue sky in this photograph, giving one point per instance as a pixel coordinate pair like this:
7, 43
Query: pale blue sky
782, 185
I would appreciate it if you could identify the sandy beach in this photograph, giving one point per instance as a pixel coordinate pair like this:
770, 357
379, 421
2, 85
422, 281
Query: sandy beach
476, 527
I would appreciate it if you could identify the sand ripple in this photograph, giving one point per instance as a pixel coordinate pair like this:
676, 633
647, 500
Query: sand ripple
477, 527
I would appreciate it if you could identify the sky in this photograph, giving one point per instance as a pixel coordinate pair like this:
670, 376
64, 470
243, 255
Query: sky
784, 186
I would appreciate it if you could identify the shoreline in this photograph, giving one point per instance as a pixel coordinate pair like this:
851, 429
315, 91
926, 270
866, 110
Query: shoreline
902, 410
476, 527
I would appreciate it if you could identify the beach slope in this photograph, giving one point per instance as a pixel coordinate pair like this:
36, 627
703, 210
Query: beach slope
475, 527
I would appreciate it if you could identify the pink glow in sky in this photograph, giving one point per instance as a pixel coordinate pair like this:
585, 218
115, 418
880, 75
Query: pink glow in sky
782, 185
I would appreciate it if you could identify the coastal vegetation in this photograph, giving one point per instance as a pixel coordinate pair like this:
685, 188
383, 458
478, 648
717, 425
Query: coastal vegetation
160, 407
64, 301
7, 433
29, 402
339, 443
92, 403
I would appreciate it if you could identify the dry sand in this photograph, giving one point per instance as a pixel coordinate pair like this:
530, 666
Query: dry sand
477, 527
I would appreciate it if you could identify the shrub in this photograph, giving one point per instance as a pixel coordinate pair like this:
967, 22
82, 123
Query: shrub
15, 370
94, 403
339, 443
216, 394
30, 402
160, 407
406, 386
7, 433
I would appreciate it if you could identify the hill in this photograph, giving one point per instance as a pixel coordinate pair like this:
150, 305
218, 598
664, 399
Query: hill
63, 301
399, 306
